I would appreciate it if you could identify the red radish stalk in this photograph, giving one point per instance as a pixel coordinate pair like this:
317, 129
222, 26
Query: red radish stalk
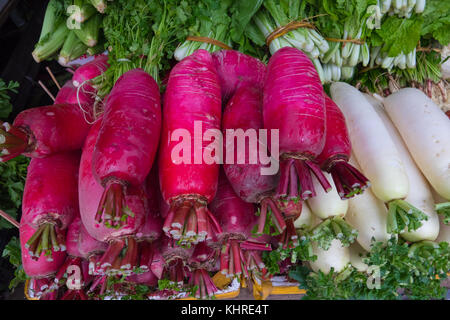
192, 96
39, 132
334, 157
121, 254
41, 270
202, 260
89, 71
74, 263
236, 218
176, 259
294, 103
90, 249
126, 144
234, 69
50, 201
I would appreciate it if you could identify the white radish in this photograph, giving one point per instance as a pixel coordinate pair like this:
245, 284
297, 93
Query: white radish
306, 219
371, 144
336, 257
377, 155
426, 131
368, 215
357, 253
331, 207
444, 233
327, 204
419, 194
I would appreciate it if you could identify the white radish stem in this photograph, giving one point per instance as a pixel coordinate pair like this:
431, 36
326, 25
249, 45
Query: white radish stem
419, 194
444, 231
368, 215
425, 129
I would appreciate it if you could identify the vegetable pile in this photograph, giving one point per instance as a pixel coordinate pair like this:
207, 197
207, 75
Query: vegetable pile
141, 186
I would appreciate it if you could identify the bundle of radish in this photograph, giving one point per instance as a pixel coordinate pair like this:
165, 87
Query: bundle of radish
294, 104
192, 104
200, 263
428, 140
378, 156
336, 152
74, 264
126, 144
39, 132
90, 249
239, 251
121, 255
234, 69
368, 215
50, 201
419, 194
40, 270
245, 169
330, 207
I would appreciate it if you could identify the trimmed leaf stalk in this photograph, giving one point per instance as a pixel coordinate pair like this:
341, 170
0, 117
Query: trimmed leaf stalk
402, 215
333, 228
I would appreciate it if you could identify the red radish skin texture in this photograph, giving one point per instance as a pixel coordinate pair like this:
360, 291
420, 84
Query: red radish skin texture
235, 68
90, 70
90, 192
244, 111
128, 140
88, 245
51, 190
41, 267
192, 94
55, 128
294, 103
68, 94
73, 237
337, 143
147, 278
236, 216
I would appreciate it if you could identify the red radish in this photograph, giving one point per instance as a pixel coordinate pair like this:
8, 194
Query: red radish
200, 263
334, 157
294, 103
50, 200
90, 191
41, 271
68, 94
74, 263
236, 218
235, 68
192, 96
146, 278
127, 142
90, 249
41, 131
244, 111
90, 70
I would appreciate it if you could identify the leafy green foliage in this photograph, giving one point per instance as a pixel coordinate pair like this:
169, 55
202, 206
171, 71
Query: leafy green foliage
410, 270
12, 182
5, 104
437, 21
399, 35
12, 251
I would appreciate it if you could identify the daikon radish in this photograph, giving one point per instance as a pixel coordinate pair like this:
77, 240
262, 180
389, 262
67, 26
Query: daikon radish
368, 215
442, 206
419, 194
426, 131
444, 231
336, 257
330, 207
377, 155
357, 254
306, 218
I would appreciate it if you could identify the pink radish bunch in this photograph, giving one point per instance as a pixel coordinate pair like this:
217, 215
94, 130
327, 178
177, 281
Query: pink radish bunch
192, 94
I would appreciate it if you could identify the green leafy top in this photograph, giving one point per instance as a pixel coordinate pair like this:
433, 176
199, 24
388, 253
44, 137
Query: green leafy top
402, 268
5, 104
13, 251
